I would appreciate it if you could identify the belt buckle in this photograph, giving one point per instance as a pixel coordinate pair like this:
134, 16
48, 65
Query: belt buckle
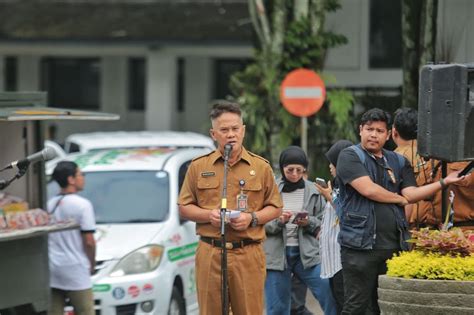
229, 245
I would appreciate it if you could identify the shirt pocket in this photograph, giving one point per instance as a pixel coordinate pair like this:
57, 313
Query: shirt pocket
353, 225
208, 193
255, 196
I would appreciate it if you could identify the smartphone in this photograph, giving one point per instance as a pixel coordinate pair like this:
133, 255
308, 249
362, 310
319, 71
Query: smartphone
300, 215
321, 182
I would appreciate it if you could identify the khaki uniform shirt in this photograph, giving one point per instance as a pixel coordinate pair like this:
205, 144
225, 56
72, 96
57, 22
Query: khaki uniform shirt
429, 211
204, 182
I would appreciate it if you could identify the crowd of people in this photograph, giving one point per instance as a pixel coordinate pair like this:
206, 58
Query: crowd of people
291, 234
294, 234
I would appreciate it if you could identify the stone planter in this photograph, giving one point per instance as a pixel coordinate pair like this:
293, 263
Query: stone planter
417, 296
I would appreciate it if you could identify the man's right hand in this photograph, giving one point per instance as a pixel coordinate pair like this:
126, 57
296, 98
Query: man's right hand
403, 202
453, 178
215, 217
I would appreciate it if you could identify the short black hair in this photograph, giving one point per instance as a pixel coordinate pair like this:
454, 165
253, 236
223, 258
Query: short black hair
376, 114
62, 171
220, 107
405, 122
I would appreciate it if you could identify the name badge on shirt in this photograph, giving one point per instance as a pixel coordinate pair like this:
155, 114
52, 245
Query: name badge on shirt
208, 174
242, 202
242, 198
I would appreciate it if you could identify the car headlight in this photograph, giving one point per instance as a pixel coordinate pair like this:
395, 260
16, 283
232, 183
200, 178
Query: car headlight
142, 260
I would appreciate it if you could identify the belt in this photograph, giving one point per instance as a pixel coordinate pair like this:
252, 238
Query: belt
229, 245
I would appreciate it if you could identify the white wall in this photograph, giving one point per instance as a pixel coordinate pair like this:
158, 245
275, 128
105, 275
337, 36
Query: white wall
350, 63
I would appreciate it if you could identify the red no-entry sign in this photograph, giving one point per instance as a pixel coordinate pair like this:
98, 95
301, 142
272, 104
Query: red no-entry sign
302, 92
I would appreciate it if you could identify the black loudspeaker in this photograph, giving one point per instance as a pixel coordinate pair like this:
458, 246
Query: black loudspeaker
446, 112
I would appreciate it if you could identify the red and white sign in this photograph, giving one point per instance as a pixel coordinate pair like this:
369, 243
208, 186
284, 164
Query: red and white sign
133, 291
302, 92
147, 288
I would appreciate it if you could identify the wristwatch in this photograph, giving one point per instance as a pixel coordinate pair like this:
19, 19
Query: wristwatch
254, 221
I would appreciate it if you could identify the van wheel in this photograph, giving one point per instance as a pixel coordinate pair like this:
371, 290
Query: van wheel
177, 305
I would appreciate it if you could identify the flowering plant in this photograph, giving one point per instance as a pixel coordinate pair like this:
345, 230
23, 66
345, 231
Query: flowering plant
436, 254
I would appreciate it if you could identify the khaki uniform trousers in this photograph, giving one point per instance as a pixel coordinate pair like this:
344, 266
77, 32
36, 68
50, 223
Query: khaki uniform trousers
82, 301
246, 278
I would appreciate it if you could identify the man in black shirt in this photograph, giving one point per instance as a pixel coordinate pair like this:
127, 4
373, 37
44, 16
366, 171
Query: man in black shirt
376, 185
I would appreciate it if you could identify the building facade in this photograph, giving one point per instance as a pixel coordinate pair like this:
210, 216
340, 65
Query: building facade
158, 64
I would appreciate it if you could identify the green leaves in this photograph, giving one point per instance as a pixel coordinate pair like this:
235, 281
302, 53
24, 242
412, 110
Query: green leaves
270, 127
452, 242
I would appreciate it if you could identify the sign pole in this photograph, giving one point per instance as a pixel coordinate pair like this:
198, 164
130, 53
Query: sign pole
304, 134
302, 93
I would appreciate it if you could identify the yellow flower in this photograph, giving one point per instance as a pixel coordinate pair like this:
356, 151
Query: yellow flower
420, 265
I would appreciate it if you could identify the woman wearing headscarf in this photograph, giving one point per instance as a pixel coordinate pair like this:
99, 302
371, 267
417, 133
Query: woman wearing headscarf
292, 246
331, 267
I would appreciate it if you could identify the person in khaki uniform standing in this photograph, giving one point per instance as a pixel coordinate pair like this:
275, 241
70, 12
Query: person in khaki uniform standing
427, 213
251, 188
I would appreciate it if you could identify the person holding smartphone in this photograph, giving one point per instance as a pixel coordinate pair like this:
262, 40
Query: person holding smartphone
331, 267
292, 246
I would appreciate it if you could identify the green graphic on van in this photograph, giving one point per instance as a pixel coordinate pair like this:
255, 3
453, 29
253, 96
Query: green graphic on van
101, 287
182, 252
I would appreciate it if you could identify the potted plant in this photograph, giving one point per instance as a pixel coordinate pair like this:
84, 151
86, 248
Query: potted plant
435, 277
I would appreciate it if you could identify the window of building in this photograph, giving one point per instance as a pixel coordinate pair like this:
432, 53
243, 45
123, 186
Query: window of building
10, 73
224, 69
180, 81
136, 84
385, 48
71, 82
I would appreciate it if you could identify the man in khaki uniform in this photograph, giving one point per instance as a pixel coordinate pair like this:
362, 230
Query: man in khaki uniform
427, 213
251, 188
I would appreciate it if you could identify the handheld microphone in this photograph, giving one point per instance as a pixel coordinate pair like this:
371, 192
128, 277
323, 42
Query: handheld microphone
227, 150
43, 155
466, 170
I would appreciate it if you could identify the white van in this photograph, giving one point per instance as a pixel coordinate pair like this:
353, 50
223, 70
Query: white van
145, 253
85, 142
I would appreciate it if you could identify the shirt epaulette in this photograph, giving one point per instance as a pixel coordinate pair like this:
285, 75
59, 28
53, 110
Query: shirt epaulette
201, 156
258, 156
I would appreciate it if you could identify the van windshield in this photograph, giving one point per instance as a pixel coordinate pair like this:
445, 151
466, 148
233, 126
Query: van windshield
125, 196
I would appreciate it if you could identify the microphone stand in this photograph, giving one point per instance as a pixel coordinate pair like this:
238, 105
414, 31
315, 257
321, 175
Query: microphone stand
224, 296
5, 183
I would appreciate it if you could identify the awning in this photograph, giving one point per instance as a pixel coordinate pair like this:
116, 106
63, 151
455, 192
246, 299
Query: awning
49, 113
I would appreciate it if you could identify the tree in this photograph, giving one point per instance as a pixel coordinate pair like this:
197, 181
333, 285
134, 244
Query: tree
290, 35
418, 44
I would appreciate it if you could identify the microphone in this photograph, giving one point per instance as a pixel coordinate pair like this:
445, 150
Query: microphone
227, 150
43, 155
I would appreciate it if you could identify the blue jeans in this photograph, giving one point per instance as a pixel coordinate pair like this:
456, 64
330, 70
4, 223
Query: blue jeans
278, 285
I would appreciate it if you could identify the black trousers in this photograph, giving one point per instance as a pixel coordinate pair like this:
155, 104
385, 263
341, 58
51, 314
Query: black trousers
361, 269
337, 289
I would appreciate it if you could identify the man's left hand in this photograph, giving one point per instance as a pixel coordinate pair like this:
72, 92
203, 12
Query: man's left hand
242, 222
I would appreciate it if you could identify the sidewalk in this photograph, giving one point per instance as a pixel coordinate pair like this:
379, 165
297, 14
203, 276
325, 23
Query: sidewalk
313, 305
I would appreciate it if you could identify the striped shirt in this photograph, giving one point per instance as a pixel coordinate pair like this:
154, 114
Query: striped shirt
329, 247
292, 201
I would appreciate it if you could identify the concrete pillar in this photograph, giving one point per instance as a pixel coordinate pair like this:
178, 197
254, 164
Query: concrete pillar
28, 73
161, 91
114, 91
197, 91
